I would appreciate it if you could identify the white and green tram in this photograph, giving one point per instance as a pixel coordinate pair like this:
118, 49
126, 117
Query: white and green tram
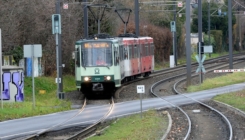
97, 65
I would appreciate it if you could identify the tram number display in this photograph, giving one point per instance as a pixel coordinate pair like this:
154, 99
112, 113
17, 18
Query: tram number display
96, 45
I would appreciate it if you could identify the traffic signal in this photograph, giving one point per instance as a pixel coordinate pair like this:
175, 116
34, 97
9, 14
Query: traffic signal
173, 27
202, 48
56, 24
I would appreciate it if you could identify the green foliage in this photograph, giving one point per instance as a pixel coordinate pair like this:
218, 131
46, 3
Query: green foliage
217, 34
17, 53
216, 22
206, 40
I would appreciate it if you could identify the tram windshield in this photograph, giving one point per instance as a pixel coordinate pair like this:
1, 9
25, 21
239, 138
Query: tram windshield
96, 54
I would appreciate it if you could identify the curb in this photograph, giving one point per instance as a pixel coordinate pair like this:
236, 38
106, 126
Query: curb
164, 137
231, 108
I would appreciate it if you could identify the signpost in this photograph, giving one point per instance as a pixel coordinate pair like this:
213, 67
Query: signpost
173, 29
34, 50
141, 90
1, 88
56, 29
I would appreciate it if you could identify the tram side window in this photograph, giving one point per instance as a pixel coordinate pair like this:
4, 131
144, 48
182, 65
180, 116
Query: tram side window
152, 49
125, 52
138, 51
121, 52
116, 56
142, 50
135, 51
146, 50
78, 57
130, 51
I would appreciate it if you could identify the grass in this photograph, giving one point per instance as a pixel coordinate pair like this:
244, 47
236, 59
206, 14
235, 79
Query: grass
235, 99
44, 103
152, 125
210, 83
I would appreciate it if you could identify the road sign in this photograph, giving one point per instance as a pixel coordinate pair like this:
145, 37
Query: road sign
229, 70
180, 4
200, 67
65, 6
140, 88
37, 52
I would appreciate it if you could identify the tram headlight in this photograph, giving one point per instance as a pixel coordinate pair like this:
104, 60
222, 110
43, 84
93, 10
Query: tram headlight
86, 79
108, 78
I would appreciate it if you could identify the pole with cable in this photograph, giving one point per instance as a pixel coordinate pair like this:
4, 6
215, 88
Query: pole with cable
209, 42
200, 35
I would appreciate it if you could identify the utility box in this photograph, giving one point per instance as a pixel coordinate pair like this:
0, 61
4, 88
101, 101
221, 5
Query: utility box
13, 84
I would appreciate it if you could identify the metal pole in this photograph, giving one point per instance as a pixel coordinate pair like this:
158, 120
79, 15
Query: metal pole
98, 26
141, 105
240, 41
1, 85
33, 84
57, 61
230, 34
188, 42
136, 8
173, 49
175, 38
209, 42
200, 35
85, 19
59, 70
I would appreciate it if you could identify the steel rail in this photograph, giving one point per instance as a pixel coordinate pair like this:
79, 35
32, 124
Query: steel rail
188, 118
84, 131
207, 106
177, 76
57, 125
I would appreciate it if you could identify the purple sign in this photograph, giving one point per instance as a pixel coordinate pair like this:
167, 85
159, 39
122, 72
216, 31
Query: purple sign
18, 81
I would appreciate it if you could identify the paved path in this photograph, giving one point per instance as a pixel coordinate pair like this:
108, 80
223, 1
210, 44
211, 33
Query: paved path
19, 127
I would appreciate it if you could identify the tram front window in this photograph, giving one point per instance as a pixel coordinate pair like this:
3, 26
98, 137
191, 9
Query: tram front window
96, 54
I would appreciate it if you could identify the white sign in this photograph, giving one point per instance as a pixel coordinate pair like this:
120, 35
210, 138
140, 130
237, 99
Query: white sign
65, 6
140, 88
56, 80
37, 52
180, 4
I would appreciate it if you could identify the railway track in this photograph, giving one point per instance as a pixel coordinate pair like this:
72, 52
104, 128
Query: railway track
83, 133
189, 129
73, 133
43, 132
182, 68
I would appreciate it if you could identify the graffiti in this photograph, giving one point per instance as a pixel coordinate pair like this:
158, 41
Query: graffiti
18, 81
6, 80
